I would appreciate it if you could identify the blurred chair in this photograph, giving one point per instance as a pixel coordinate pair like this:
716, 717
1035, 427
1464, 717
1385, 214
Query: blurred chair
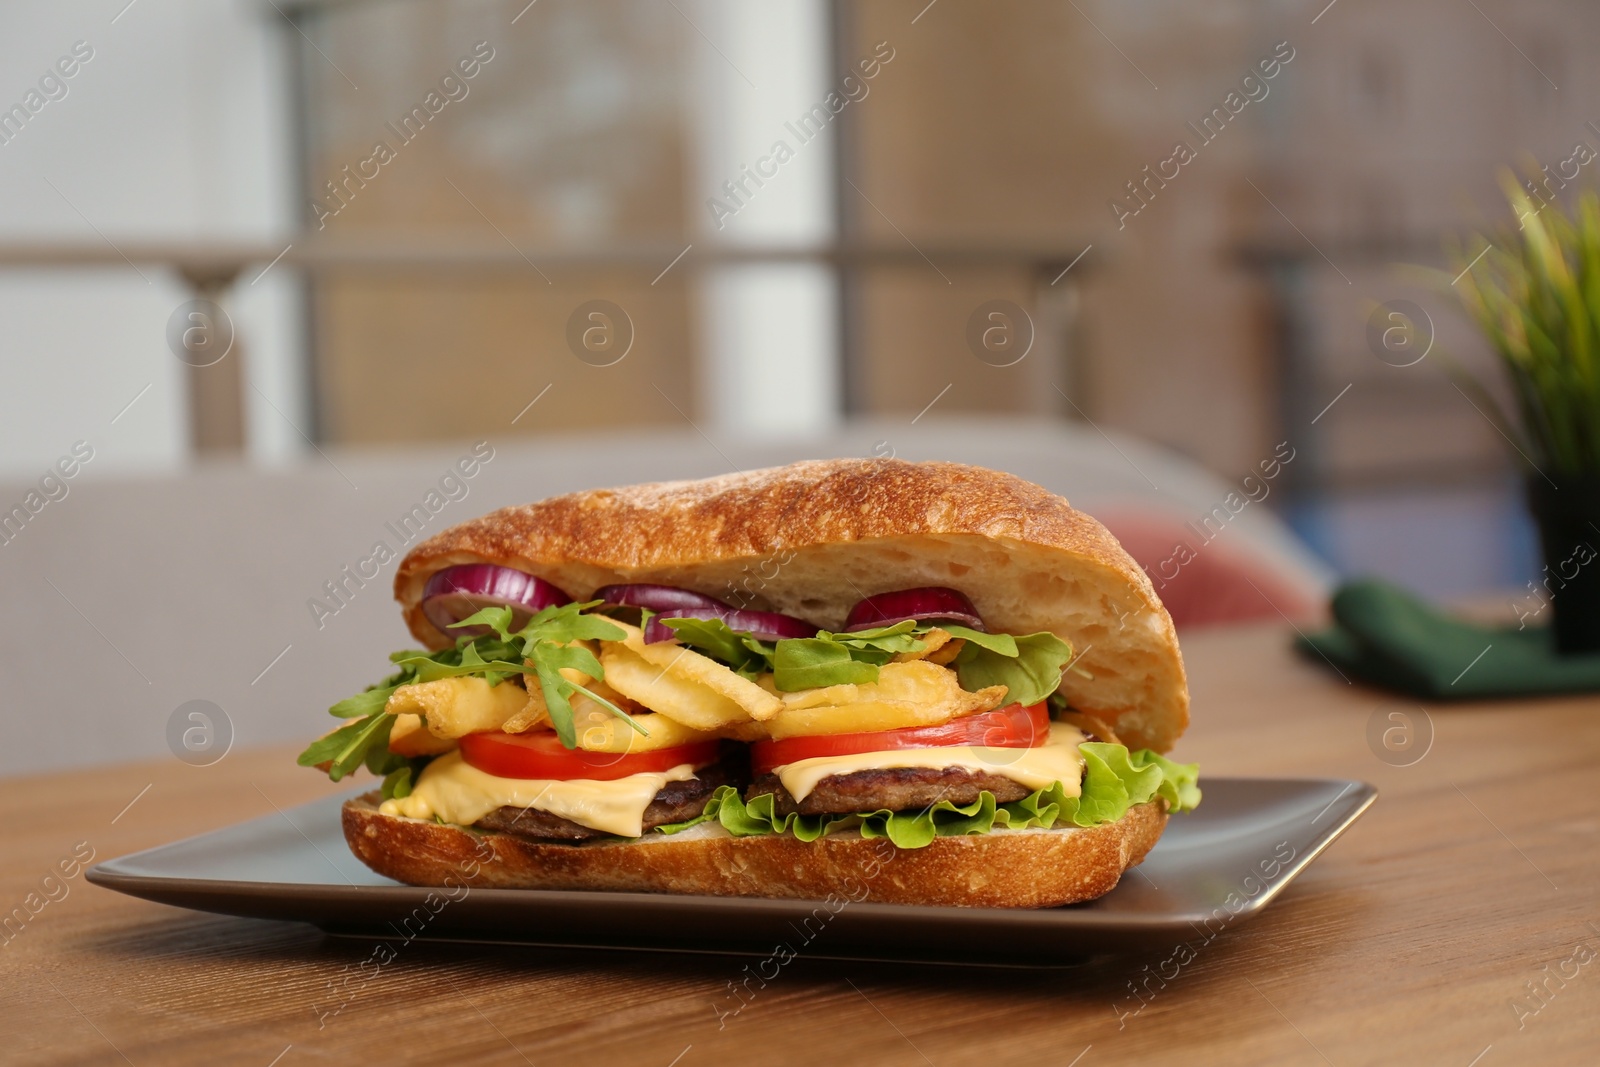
1221, 583
134, 595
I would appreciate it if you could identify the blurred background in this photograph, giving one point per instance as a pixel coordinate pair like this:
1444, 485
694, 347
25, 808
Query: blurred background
277, 265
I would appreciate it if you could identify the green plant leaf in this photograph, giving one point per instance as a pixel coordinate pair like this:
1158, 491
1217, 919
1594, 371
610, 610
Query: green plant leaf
1534, 293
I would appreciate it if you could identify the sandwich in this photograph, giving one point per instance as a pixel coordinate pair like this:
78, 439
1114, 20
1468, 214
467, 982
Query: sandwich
915, 683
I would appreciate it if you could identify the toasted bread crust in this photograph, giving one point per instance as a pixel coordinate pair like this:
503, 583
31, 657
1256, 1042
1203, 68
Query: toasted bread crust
1002, 869
812, 538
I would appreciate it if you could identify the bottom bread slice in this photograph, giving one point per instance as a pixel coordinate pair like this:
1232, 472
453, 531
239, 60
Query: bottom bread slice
1003, 869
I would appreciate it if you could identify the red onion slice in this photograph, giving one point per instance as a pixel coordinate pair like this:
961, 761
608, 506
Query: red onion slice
762, 625
457, 592
657, 598
927, 604
671, 602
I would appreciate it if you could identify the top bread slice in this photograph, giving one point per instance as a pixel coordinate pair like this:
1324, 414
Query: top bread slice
813, 538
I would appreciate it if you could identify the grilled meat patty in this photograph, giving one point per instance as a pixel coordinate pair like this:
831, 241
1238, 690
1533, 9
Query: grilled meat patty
894, 789
677, 802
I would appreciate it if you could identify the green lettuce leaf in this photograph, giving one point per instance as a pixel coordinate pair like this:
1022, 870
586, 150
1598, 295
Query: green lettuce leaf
1180, 782
1114, 781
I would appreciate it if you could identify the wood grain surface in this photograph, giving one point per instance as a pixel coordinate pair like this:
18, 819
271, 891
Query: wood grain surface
1413, 940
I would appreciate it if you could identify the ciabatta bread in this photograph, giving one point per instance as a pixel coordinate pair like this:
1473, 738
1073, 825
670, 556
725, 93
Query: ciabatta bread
811, 539
1002, 869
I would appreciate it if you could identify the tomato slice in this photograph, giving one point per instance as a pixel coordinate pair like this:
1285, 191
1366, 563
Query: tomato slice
1012, 726
540, 754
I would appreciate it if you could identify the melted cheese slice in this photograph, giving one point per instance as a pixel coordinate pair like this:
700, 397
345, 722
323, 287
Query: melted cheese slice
1057, 760
457, 793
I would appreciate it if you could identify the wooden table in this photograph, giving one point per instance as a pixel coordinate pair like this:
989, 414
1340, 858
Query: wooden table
1410, 941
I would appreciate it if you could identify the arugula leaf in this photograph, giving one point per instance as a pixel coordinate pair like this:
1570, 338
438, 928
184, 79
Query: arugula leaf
566, 657
800, 663
427, 669
1029, 667
812, 662
742, 652
472, 658
850, 658
497, 619
324, 749
368, 703
540, 648
398, 780
545, 646
904, 626
349, 746
562, 624
397, 783
548, 660
1003, 644
1114, 780
1029, 676
567, 623
887, 640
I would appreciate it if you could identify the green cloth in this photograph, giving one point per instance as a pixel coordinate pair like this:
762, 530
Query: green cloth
1386, 637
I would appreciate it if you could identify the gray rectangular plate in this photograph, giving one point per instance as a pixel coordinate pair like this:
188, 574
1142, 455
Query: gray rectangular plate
1223, 862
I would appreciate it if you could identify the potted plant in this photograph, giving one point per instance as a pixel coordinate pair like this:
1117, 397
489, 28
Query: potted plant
1534, 292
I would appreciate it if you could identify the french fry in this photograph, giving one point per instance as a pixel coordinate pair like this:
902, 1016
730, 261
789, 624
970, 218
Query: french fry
454, 707
600, 731
408, 737
687, 702
918, 693
689, 665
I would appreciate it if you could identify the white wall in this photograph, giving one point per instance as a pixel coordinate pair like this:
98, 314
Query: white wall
177, 129
769, 333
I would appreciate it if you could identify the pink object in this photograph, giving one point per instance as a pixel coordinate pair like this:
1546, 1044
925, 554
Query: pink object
1209, 583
